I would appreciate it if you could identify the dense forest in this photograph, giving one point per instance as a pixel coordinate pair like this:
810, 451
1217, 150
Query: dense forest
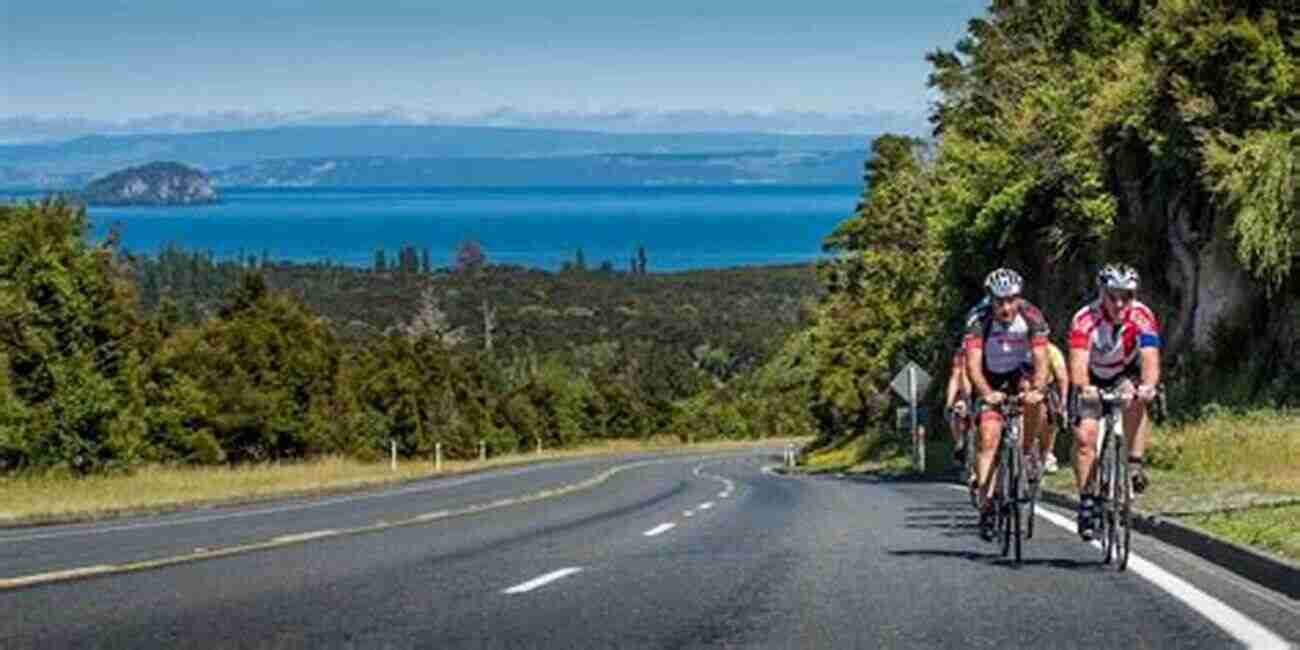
109, 360
1071, 133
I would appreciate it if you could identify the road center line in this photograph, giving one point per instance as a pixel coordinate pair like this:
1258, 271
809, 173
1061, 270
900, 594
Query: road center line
660, 529
302, 537
688, 513
542, 580
706, 505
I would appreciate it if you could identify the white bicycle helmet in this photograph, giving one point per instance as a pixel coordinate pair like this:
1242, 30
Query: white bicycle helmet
1003, 283
1118, 277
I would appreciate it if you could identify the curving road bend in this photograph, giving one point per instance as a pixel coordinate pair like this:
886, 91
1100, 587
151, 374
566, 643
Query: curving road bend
667, 551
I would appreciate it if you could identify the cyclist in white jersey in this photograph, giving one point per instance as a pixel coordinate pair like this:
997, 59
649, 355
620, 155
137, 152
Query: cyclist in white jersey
1114, 341
1006, 353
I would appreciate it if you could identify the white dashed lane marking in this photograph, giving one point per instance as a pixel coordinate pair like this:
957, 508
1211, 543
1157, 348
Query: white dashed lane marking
541, 581
660, 529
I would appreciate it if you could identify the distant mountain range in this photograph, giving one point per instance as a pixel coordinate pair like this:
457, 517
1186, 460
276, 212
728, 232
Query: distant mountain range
33, 129
447, 155
801, 168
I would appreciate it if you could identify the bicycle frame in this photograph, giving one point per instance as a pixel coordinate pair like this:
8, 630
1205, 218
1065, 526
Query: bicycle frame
1010, 488
1110, 482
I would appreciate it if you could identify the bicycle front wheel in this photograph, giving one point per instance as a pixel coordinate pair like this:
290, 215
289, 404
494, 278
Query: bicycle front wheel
1104, 502
1124, 515
1017, 494
1004, 501
968, 473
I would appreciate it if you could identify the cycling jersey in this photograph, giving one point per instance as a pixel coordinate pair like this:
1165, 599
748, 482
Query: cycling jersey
1113, 346
1008, 346
1055, 360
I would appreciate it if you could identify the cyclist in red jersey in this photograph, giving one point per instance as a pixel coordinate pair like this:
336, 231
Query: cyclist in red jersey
1114, 342
1006, 353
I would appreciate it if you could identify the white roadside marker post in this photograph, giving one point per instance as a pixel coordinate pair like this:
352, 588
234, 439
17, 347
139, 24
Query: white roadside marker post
437, 457
392, 457
482, 450
920, 447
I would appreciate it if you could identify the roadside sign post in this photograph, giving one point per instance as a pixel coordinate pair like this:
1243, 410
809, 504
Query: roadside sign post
910, 383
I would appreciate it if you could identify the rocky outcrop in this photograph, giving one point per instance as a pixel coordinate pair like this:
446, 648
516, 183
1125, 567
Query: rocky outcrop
160, 183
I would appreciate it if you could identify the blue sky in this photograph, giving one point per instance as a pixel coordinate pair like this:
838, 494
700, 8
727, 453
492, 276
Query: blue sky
116, 59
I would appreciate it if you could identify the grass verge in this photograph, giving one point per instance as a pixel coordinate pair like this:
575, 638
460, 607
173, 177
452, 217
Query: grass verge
869, 453
1275, 529
38, 499
1226, 475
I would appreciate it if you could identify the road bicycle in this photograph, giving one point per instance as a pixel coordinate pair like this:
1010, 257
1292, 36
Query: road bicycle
1111, 484
1015, 489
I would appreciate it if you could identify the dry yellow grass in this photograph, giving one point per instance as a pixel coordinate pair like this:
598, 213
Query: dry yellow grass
1260, 449
158, 488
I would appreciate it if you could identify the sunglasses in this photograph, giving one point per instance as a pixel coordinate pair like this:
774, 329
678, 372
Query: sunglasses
1121, 295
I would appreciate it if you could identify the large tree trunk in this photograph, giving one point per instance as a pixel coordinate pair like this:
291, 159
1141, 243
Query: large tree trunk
1130, 179
1185, 274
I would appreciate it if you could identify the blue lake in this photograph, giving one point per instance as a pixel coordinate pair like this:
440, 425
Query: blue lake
681, 228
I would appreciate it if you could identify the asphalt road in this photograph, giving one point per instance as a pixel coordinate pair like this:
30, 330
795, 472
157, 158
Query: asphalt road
670, 552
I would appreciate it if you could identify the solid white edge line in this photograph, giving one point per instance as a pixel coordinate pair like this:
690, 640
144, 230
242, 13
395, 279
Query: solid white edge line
541, 580
660, 529
1237, 625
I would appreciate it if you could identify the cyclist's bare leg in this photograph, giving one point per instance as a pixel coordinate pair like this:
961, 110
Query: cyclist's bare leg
1035, 419
1048, 435
1085, 451
1137, 423
990, 430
